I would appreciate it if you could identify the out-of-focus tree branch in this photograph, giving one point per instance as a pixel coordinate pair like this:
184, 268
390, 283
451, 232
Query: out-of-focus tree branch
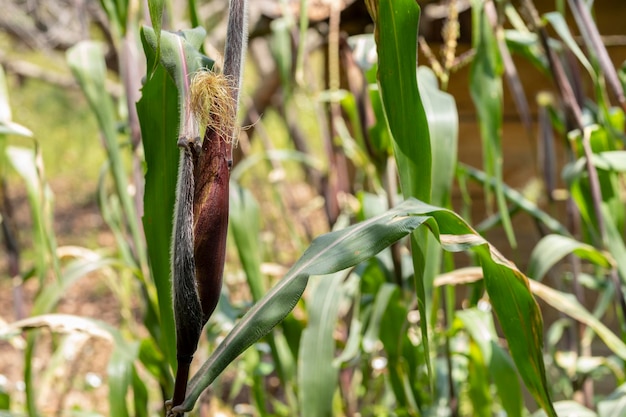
26, 69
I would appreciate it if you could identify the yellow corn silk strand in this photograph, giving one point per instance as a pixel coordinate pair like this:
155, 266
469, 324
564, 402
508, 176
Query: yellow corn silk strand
213, 104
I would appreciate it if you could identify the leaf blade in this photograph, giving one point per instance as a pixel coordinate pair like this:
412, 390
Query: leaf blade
517, 310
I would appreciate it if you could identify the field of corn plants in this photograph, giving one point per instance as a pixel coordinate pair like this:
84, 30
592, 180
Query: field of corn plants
285, 208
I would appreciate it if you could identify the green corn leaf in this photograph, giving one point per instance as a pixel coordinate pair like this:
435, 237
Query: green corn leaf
401, 353
610, 165
372, 333
27, 163
117, 12
615, 242
156, 7
52, 293
86, 60
353, 141
379, 133
121, 370
29, 389
516, 198
568, 304
480, 326
120, 373
557, 20
180, 51
244, 217
478, 383
7, 125
512, 301
552, 248
486, 91
5, 107
179, 55
317, 373
521, 322
614, 404
396, 31
527, 45
5, 402
563, 302
351, 349
140, 395
443, 125
608, 161
109, 206
282, 49
158, 118
329, 253
396, 41
152, 358
194, 18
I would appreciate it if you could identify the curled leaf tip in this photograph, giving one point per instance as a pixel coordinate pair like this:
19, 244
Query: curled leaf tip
213, 104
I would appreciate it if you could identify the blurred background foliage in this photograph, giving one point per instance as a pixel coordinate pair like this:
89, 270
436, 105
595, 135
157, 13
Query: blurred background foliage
525, 110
